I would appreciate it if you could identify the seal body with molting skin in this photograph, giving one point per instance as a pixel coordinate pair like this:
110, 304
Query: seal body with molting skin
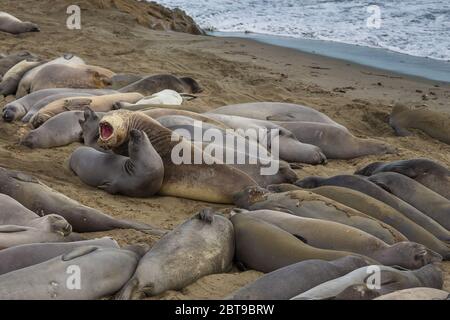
371, 189
200, 246
265, 247
433, 123
207, 182
289, 281
43, 200
101, 103
25, 83
426, 200
390, 280
431, 174
10, 24
102, 271
71, 76
164, 97
156, 83
309, 205
335, 236
335, 142
26, 255
11, 79
139, 175
416, 294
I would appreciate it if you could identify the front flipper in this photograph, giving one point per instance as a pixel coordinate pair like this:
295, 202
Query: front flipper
12, 229
77, 104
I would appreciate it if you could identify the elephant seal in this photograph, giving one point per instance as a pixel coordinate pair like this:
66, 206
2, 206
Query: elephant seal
9, 61
276, 111
335, 236
121, 80
10, 24
24, 108
369, 188
71, 76
102, 271
164, 97
12, 77
434, 124
205, 182
416, 294
26, 255
426, 200
335, 142
139, 175
431, 174
390, 280
289, 281
290, 148
101, 103
265, 247
43, 200
156, 83
90, 129
202, 245
13, 213
25, 84
309, 205
381, 211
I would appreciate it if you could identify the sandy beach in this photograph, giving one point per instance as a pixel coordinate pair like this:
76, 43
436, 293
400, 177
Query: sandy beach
231, 70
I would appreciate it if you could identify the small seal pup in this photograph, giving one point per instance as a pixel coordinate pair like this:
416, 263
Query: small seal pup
431, 174
198, 181
102, 271
156, 83
426, 200
10, 24
12, 77
26, 255
433, 123
43, 200
202, 245
265, 247
309, 205
422, 293
390, 280
103, 103
289, 281
139, 175
330, 235
363, 185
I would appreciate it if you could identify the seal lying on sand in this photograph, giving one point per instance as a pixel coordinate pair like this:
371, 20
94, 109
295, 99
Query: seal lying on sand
287, 282
335, 142
165, 97
139, 175
200, 246
101, 103
371, 189
71, 76
390, 280
433, 123
335, 236
25, 107
43, 200
103, 272
426, 200
416, 294
26, 255
264, 247
206, 182
10, 60
12, 77
431, 174
153, 84
10, 24
309, 205
25, 84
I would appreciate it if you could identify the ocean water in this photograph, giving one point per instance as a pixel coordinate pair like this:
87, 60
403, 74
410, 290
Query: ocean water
415, 27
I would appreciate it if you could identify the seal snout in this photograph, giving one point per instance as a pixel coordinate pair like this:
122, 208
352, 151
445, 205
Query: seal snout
8, 115
106, 130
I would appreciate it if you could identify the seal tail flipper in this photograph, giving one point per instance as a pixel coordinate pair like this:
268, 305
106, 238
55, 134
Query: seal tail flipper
188, 95
143, 227
129, 290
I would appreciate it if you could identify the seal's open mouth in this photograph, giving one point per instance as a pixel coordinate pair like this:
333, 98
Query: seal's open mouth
106, 130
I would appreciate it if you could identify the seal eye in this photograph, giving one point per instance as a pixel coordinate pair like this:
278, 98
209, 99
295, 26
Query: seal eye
106, 130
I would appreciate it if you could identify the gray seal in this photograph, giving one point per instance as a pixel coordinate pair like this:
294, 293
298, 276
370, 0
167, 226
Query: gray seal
140, 174
156, 83
202, 245
10, 24
8, 61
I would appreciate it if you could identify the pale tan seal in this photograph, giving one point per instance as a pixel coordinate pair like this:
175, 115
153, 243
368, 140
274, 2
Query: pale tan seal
10, 24
12, 77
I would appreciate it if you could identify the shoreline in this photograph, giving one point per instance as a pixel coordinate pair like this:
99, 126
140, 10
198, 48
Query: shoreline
377, 58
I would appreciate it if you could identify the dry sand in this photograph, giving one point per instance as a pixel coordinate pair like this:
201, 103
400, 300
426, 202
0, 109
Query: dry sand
231, 71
